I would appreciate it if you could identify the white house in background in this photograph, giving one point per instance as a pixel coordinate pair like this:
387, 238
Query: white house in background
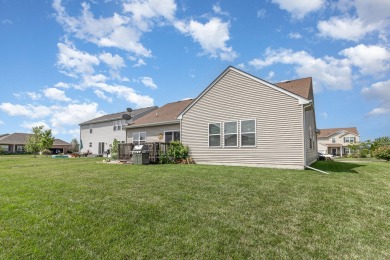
335, 141
98, 134
240, 119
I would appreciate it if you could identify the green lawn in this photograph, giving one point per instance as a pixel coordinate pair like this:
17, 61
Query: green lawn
82, 208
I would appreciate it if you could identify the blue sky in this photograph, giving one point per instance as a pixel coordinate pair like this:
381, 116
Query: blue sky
65, 62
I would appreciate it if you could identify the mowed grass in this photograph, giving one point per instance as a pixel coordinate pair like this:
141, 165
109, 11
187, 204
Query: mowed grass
82, 208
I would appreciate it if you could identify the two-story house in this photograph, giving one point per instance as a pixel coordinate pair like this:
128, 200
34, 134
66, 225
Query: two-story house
335, 141
98, 134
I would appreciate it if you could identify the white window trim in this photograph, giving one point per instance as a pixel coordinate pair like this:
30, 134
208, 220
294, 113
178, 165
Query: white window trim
220, 135
139, 133
255, 132
223, 131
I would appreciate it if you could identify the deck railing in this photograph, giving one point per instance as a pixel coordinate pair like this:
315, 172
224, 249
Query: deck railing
155, 150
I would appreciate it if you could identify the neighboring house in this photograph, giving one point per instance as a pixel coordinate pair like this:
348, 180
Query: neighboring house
240, 119
335, 141
160, 125
15, 143
98, 134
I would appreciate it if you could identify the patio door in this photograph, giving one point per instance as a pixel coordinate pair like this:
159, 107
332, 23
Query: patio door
334, 151
101, 148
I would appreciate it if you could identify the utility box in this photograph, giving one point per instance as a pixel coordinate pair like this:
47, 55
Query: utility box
141, 154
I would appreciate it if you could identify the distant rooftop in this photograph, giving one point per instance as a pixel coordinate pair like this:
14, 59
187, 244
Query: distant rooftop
166, 113
330, 131
117, 116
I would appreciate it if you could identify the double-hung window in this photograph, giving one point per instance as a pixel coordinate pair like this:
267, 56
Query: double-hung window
230, 134
215, 135
350, 139
139, 138
248, 132
172, 136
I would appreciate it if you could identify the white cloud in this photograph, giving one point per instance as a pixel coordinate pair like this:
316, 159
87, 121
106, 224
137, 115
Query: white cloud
59, 116
358, 18
74, 61
30, 125
379, 92
148, 82
212, 37
115, 62
1, 122
31, 94
241, 66
56, 94
299, 9
122, 92
128, 94
140, 63
373, 11
115, 31
144, 12
100, 94
352, 29
261, 13
26, 110
62, 85
34, 95
218, 10
324, 115
327, 72
74, 114
6, 21
294, 35
370, 59
271, 74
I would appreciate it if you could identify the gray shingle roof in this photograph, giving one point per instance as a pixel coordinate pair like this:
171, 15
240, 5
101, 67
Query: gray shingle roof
118, 116
21, 138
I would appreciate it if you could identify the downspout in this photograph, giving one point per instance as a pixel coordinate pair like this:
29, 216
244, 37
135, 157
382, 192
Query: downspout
304, 105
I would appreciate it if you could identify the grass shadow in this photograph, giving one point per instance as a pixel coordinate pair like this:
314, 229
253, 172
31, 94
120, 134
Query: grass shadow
335, 166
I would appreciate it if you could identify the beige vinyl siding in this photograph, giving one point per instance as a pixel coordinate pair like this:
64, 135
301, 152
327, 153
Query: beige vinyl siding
311, 153
235, 97
152, 132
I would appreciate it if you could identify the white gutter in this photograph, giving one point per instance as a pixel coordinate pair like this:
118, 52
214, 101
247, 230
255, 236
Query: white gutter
154, 124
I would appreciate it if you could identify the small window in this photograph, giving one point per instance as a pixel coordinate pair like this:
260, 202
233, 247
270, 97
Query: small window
215, 135
350, 139
333, 140
90, 130
172, 136
90, 144
139, 138
248, 133
230, 134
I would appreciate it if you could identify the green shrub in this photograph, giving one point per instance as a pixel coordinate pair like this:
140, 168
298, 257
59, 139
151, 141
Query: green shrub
382, 152
46, 152
175, 153
364, 153
2, 151
114, 156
